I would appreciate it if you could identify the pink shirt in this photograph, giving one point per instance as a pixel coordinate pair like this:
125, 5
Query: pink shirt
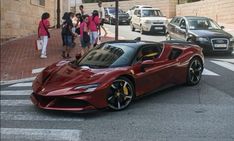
93, 23
42, 31
82, 26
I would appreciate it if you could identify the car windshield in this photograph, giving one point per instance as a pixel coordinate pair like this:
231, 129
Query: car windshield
151, 13
112, 11
108, 55
202, 24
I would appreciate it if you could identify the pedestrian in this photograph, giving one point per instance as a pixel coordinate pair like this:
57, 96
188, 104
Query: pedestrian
102, 17
82, 12
84, 37
43, 32
68, 35
94, 26
63, 32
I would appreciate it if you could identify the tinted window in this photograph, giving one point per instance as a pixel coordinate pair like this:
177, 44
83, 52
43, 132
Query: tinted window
176, 21
200, 24
108, 55
182, 23
151, 13
112, 11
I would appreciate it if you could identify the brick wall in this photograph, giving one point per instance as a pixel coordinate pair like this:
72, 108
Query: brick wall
166, 6
21, 17
219, 10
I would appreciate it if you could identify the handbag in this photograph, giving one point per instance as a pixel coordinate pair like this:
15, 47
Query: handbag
39, 44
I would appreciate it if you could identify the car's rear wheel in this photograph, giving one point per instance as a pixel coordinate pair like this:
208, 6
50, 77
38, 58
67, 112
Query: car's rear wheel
195, 69
121, 94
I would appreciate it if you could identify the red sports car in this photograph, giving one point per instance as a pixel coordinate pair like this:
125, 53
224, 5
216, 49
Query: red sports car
114, 73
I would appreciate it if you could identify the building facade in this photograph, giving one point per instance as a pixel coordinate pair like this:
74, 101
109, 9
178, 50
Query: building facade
21, 17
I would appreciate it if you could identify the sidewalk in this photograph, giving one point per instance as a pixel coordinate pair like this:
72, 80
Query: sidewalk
19, 57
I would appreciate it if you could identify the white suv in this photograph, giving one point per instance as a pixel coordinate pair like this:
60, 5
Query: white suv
148, 20
131, 10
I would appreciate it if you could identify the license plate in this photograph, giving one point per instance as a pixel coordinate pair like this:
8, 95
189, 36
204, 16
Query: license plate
220, 45
158, 28
123, 20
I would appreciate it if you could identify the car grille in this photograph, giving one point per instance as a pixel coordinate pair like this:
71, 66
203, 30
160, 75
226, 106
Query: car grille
157, 22
220, 43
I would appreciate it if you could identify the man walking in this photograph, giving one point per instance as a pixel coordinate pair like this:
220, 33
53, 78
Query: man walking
102, 16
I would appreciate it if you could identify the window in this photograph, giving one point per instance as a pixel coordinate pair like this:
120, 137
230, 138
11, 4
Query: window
182, 23
177, 21
149, 52
38, 2
135, 12
175, 53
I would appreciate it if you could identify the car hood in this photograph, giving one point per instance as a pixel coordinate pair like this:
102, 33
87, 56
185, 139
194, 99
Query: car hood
67, 76
211, 33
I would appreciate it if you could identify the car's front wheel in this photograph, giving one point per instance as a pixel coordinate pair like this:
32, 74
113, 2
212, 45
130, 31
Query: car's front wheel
195, 69
121, 94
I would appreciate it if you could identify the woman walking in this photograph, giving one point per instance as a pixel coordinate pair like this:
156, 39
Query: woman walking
94, 25
84, 37
43, 32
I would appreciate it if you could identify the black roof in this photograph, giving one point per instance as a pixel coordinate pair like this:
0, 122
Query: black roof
132, 43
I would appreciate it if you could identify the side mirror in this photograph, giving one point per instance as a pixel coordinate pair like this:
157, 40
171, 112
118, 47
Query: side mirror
222, 27
146, 64
78, 56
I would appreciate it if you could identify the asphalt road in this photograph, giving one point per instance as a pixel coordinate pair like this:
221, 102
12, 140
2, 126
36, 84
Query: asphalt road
200, 113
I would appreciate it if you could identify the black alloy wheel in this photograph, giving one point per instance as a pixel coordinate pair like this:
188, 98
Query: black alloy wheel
194, 74
121, 94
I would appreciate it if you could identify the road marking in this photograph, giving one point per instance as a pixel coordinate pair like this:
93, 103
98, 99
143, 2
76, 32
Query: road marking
225, 65
34, 71
226, 60
37, 116
208, 72
16, 102
28, 84
40, 134
18, 92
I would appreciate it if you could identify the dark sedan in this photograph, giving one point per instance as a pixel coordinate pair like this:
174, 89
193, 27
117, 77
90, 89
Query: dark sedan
110, 16
202, 31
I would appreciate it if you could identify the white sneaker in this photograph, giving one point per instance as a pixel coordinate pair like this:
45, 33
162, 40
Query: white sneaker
43, 56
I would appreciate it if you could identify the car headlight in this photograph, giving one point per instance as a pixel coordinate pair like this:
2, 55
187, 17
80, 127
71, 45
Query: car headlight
86, 88
147, 22
202, 39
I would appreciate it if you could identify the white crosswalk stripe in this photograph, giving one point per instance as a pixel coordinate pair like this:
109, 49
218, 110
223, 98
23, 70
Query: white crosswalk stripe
208, 72
28, 84
35, 116
40, 134
18, 92
16, 102
224, 64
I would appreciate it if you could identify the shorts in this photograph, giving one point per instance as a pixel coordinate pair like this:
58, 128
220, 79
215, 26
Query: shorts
67, 40
102, 22
83, 44
93, 37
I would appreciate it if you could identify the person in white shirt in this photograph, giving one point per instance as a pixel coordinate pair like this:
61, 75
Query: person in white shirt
102, 16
